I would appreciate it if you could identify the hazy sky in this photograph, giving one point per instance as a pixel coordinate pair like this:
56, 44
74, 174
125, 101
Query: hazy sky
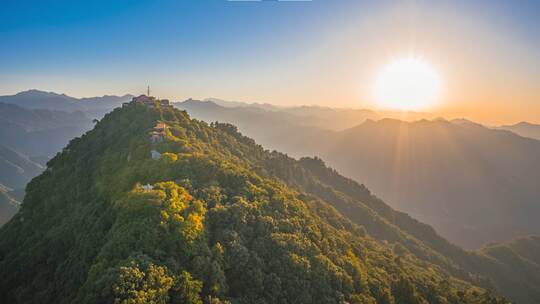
313, 52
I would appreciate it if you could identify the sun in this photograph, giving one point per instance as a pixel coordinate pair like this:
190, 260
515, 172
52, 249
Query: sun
407, 84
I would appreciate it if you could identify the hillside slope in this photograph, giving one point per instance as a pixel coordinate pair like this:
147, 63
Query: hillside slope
8, 205
16, 169
512, 274
473, 184
215, 219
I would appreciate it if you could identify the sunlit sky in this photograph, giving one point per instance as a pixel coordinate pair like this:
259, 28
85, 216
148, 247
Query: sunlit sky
486, 53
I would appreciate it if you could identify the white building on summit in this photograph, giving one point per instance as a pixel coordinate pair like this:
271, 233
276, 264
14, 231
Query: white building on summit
155, 154
148, 187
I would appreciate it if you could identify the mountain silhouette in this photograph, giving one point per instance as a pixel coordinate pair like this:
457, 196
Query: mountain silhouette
524, 129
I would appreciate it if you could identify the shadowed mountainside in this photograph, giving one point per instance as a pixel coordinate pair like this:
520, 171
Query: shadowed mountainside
9, 205
474, 184
16, 169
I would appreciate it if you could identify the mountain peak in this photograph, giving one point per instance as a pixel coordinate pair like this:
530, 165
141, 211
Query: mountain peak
524, 124
37, 99
40, 93
34, 91
525, 129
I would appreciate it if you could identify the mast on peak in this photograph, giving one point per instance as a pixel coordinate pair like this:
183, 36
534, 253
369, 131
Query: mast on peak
148, 91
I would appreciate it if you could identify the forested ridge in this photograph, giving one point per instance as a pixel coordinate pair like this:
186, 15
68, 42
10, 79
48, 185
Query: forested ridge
472, 183
217, 219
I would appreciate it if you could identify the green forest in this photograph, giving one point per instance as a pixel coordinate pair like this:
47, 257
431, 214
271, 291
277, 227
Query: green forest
218, 219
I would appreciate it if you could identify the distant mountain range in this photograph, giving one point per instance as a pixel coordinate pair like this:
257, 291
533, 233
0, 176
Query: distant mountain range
473, 183
237, 104
39, 124
308, 116
271, 129
35, 99
34, 126
39, 133
335, 119
524, 129
92, 106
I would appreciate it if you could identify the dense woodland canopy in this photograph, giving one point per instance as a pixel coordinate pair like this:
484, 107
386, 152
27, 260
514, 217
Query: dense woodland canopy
225, 221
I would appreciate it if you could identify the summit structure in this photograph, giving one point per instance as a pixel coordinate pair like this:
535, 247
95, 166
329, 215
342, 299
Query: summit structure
150, 101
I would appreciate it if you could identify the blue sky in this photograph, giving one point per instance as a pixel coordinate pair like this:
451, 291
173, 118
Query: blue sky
120, 38
314, 52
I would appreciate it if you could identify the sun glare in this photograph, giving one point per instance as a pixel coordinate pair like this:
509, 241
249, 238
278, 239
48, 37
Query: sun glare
407, 84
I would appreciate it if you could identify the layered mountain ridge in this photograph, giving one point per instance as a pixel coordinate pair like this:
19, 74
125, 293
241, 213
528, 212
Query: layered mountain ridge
524, 129
37, 99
